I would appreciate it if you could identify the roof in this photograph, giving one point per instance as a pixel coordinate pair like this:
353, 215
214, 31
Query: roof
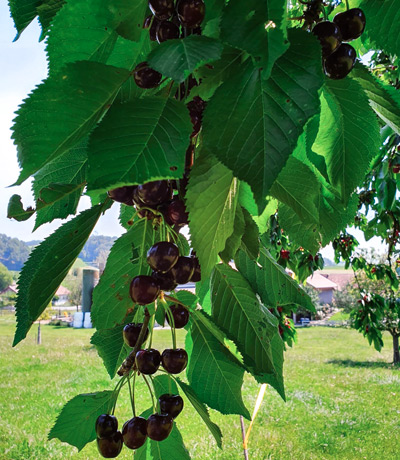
321, 283
11, 288
63, 291
341, 278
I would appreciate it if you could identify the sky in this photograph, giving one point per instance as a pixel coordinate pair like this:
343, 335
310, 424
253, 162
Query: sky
23, 66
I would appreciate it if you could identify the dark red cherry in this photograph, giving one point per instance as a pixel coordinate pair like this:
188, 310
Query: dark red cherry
146, 77
170, 405
183, 270
148, 361
106, 425
134, 432
174, 361
154, 193
151, 23
162, 256
165, 280
144, 289
340, 63
351, 23
123, 194
191, 12
159, 426
131, 334
162, 9
196, 277
167, 31
110, 447
180, 315
328, 33
284, 254
176, 213
189, 158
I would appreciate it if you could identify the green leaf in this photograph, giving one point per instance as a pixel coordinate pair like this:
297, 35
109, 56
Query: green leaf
23, 12
183, 245
43, 132
127, 259
255, 138
46, 12
271, 282
250, 240
48, 265
178, 58
110, 346
346, 118
233, 242
15, 209
202, 410
172, 448
137, 142
236, 310
76, 422
211, 200
216, 379
258, 28
383, 98
132, 25
69, 170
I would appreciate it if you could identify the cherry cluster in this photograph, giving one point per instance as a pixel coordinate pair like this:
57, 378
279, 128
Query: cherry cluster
168, 21
339, 57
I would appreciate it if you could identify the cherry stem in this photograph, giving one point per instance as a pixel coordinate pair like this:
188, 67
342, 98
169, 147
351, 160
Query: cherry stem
347, 4
132, 393
171, 323
129, 362
151, 331
151, 393
117, 389
172, 299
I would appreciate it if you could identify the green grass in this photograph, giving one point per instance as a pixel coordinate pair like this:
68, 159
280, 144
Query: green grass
343, 400
340, 316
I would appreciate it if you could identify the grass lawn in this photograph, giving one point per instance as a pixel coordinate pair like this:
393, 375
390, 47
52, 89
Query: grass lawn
340, 316
343, 400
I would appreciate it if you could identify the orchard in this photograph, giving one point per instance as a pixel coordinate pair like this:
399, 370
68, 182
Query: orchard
236, 138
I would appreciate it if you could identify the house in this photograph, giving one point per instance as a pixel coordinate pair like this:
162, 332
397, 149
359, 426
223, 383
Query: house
62, 293
341, 278
324, 286
9, 290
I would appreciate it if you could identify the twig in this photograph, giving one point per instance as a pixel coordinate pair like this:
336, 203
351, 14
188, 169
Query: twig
245, 451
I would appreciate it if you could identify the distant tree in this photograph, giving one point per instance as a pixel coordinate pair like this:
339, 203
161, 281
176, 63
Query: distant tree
75, 295
6, 277
13, 252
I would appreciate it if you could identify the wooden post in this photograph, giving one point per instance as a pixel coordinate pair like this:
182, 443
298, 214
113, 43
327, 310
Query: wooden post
39, 335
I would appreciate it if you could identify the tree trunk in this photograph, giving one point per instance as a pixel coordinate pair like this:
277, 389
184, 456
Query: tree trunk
39, 335
396, 350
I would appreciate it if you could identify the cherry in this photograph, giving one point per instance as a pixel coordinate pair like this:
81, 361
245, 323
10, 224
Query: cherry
131, 334
167, 31
170, 405
144, 289
196, 276
151, 22
162, 9
340, 63
174, 361
123, 194
396, 169
148, 361
146, 77
285, 254
111, 446
196, 108
328, 33
134, 432
162, 256
165, 280
191, 12
106, 425
159, 426
184, 89
183, 270
180, 315
351, 23
176, 213
154, 193
189, 158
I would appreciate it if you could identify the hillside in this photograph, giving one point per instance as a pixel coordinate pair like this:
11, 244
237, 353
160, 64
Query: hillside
14, 252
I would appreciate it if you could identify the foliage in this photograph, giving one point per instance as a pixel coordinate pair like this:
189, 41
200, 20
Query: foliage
13, 252
6, 277
265, 156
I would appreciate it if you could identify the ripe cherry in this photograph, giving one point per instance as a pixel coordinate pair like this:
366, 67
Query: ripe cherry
396, 169
144, 289
191, 12
162, 9
285, 254
159, 426
183, 270
131, 334
110, 447
174, 361
167, 31
196, 276
148, 361
134, 432
340, 63
328, 33
154, 193
123, 194
146, 77
170, 405
162, 256
176, 213
165, 280
106, 425
180, 315
351, 23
